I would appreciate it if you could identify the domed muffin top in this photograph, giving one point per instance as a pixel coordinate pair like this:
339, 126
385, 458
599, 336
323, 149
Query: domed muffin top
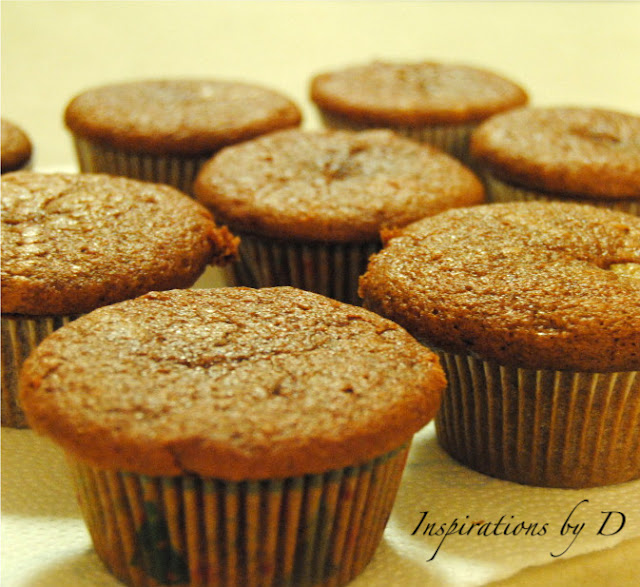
233, 383
538, 285
336, 186
423, 92
73, 242
587, 152
178, 117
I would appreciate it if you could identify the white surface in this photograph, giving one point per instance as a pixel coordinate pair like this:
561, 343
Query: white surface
45, 544
579, 53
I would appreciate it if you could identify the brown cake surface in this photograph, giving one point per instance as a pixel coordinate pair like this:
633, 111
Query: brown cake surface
336, 186
73, 242
234, 383
187, 117
587, 152
538, 285
16, 147
415, 93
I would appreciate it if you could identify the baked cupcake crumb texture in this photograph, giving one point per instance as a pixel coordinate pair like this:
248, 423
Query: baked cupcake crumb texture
566, 151
180, 117
516, 282
335, 186
231, 383
386, 93
73, 242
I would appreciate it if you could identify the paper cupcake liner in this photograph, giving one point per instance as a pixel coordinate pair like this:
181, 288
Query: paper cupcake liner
451, 138
179, 172
537, 427
499, 191
20, 335
330, 269
300, 531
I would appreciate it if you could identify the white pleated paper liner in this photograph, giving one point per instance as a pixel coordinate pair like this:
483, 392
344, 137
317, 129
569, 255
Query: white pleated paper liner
315, 530
330, 269
499, 191
543, 428
179, 172
20, 336
451, 138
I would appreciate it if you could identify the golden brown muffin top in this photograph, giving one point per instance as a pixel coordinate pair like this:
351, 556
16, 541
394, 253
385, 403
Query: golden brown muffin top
232, 383
415, 93
73, 242
178, 117
16, 147
586, 152
538, 285
335, 186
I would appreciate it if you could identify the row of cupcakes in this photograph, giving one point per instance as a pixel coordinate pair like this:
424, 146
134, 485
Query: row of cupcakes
310, 206
244, 436
299, 473
164, 130
173, 126
219, 437
534, 310
228, 436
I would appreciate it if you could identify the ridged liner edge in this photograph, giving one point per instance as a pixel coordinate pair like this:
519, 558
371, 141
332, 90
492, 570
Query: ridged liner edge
537, 427
298, 532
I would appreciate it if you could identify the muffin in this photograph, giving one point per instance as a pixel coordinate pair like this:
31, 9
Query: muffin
534, 309
233, 436
72, 243
16, 147
309, 206
438, 103
164, 130
584, 155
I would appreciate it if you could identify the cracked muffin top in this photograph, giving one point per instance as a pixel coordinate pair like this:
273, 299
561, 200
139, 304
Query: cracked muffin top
74, 242
16, 147
233, 383
178, 117
334, 186
538, 285
424, 92
586, 152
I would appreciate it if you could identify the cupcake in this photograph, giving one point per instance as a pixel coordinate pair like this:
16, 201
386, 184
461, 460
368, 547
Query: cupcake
534, 309
164, 130
233, 436
436, 103
309, 206
16, 147
72, 243
584, 155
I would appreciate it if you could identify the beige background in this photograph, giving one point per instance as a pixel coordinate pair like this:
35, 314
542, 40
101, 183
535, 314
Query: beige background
563, 52
569, 53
